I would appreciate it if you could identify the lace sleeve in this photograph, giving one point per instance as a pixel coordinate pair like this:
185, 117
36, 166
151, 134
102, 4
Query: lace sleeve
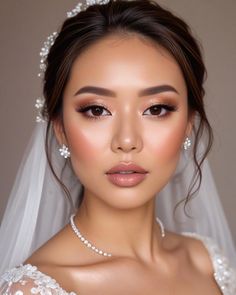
27, 280
24, 286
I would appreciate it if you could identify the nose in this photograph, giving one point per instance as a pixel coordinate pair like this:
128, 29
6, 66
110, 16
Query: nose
127, 137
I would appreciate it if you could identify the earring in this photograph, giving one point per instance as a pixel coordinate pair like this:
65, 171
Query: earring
187, 143
64, 151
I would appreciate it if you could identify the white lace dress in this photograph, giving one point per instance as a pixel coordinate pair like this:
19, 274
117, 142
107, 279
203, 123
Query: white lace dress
27, 279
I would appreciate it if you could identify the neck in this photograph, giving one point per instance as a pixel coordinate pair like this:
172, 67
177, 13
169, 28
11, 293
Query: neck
132, 233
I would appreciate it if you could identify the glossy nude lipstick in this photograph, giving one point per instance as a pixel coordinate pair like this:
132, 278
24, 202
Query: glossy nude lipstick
126, 175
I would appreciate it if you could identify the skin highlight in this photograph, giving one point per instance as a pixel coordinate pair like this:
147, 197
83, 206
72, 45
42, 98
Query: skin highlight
122, 220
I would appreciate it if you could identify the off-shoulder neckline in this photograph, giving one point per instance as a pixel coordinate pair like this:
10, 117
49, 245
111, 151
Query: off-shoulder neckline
202, 238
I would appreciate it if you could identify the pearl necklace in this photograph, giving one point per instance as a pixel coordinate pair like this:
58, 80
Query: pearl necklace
95, 249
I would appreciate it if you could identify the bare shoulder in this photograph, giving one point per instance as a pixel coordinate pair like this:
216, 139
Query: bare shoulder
65, 259
197, 251
74, 267
63, 250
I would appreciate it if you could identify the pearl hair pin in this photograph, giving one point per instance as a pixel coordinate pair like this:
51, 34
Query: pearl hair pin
95, 249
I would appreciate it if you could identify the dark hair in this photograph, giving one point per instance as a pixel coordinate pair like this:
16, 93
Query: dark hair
149, 20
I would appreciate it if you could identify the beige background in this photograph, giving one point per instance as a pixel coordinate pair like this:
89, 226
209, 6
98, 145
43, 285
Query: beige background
24, 26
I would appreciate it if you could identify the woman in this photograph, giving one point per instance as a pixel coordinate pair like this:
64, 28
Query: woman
123, 96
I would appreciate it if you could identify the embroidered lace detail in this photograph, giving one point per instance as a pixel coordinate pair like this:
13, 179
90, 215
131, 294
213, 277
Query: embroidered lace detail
29, 279
224, 274
14, 282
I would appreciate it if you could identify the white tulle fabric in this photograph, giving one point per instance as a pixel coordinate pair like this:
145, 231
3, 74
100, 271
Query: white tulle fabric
37, 207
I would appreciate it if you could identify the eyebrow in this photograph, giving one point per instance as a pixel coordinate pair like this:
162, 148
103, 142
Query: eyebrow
143, 92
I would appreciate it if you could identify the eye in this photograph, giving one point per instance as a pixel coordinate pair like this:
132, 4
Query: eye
93, 111
161, 110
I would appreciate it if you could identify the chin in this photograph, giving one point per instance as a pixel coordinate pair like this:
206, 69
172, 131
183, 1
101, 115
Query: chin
125, 198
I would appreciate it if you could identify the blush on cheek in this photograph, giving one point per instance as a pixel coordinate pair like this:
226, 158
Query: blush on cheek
166, 135
167, 156
173, 144
168, 144
81, 147
82, 151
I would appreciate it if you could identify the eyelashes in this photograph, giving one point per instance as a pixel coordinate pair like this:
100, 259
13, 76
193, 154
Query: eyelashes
97, 111
162, 110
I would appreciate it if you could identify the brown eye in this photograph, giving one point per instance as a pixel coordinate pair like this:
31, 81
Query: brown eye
161, 110
96, 110
93, 111
156, 110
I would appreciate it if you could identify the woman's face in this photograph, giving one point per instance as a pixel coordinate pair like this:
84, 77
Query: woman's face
126, 127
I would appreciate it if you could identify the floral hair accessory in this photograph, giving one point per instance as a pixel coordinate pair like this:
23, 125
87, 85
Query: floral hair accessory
46, 48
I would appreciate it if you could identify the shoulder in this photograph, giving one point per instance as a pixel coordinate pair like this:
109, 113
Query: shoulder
194, 248
44, 272
199, 251
206, 252
63, 249
203, 251
65, 259
204, 247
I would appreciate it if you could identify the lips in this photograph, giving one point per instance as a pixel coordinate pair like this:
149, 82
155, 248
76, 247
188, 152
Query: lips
126, 175
132, 168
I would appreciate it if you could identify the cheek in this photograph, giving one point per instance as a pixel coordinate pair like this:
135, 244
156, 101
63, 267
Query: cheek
164, 144
86, 144
165, 141
83, 150
83, 145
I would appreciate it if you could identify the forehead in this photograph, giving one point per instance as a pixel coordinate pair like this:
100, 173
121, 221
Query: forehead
131, 61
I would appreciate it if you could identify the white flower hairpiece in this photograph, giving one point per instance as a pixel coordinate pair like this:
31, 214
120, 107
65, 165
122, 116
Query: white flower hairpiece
48, 44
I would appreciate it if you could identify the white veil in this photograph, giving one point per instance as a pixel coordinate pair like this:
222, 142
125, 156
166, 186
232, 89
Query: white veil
37, 208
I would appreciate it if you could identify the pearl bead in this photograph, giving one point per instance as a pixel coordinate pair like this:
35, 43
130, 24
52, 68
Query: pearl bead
92, 247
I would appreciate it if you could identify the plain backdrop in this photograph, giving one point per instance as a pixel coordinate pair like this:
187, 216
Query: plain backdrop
25, 24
